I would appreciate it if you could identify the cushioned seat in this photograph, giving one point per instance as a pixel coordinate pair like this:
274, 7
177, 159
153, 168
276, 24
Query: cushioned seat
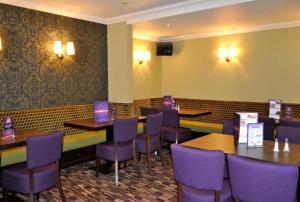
71, 142
183, 134
141, 142
45, 178
106, 151
202, 127
191, 194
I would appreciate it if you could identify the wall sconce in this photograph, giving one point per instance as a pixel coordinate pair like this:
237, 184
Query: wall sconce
142, 56
227, 54
58, 49
70, 48
0, 44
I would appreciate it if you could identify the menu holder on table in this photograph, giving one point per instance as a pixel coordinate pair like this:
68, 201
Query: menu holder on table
275, 109
101, 111
168, 102
255, 134
240, 125
8, 128
288, 112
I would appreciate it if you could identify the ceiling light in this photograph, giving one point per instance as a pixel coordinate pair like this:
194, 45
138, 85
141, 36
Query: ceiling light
168, 25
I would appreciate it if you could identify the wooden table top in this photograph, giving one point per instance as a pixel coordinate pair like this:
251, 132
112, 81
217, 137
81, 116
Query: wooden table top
91, 124
193, 112
19, 139
265, 153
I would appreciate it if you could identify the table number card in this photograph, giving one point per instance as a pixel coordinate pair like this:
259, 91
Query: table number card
101, 111
168, 102
275, 109
8, 127
255, 134
241, 121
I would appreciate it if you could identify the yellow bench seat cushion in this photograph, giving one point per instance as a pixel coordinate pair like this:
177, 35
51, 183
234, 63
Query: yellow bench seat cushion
202, 127
70, 142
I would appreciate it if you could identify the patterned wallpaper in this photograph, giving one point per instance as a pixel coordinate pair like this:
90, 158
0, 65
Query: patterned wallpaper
31, 76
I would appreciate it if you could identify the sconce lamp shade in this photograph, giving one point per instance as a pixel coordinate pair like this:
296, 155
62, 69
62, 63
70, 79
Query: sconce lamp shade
58, 48
70, 48
142, 56
227, 53
0, 44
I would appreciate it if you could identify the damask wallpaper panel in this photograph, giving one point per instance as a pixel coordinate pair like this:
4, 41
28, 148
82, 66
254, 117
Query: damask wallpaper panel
31, 76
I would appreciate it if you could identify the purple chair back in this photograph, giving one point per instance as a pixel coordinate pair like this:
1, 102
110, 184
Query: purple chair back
291, 133
290, 123
145, 111
269, 126
259, 181
125, 129
228, 127
154, 124
197, 168
44, 150
171, 118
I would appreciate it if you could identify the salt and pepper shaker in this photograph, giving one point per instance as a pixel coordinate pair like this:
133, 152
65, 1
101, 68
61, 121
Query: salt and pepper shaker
276, 147
286, 146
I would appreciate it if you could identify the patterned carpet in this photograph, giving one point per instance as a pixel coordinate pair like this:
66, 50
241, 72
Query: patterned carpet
80, 183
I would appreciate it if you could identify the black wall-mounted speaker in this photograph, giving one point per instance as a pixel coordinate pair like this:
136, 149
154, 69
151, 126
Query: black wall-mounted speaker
164, 49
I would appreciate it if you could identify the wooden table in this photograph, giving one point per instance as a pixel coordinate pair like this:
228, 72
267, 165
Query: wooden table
91, 124
20, 138
226, 144
193, 112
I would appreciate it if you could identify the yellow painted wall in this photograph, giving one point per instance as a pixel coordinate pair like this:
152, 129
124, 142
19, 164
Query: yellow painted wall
120, 74
146, 76
268, 66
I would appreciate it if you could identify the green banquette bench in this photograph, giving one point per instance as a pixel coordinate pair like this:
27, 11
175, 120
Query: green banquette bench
52, 119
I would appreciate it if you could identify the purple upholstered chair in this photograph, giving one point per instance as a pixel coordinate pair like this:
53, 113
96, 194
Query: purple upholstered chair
171, 131
199, 174
149, 141
269, 126
291, 133
41, 171
145, 111
123, 146
290, 123
257, 181
228, 127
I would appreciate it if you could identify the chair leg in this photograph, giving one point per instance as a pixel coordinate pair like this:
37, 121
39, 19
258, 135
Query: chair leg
148, 153
139, 157
179, 193
31, 186
59, 186
116, 173
5, 195
135, 159
98, 163
37, 196
159, 150
217, 196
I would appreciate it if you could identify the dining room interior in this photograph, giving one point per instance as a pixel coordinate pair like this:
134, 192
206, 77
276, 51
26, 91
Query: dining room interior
172, 100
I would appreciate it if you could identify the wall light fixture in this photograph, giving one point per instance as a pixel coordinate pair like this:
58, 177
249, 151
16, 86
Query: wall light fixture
59, 51
142, 56
227, 54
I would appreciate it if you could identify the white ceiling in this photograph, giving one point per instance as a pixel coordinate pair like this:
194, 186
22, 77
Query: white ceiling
187, 18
